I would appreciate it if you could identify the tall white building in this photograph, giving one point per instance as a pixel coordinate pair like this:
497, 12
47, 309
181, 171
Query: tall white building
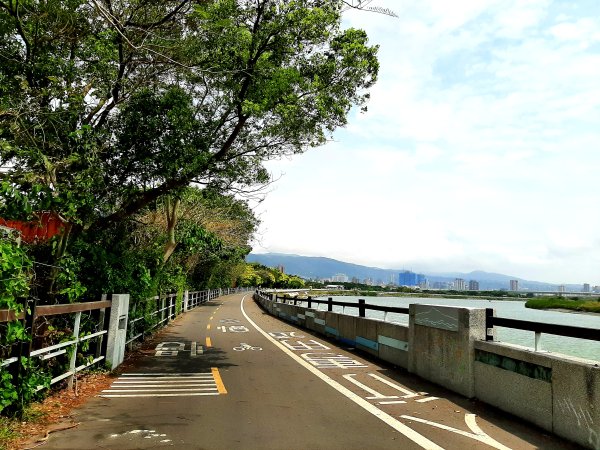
460, 284
514, 285
340, 278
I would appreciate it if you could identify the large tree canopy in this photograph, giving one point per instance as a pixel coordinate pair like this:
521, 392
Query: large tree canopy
106, 106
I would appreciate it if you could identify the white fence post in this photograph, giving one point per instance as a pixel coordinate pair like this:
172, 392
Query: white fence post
185, 300
117, 330
74, 354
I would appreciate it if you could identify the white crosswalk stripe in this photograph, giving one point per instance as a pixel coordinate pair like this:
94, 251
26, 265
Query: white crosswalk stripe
162, 385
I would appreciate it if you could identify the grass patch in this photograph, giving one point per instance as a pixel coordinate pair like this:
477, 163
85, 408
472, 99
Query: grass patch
8, 432
562, 303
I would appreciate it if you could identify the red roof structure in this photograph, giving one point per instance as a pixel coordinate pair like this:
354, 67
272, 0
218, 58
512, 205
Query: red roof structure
48, 225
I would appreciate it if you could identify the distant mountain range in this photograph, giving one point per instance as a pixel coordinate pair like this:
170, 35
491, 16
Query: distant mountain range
320, 268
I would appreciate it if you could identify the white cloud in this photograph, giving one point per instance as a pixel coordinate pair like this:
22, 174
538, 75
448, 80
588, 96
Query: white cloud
479, 150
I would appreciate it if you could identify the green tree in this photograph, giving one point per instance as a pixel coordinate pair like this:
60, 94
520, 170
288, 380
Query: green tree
106, 108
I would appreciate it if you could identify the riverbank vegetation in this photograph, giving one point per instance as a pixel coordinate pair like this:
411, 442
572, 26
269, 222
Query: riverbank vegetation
592, 306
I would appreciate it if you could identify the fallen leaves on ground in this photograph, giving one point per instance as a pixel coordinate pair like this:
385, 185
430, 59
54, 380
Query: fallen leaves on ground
55, 413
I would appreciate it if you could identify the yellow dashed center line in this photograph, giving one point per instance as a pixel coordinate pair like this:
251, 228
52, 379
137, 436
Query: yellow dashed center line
208, 342
211, 317
208, 326
218, 381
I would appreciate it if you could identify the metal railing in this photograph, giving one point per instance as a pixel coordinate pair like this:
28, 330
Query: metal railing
69, 347
537, 327
156, 312
592, 334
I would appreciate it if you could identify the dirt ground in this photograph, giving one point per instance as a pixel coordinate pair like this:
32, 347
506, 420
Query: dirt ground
55, 412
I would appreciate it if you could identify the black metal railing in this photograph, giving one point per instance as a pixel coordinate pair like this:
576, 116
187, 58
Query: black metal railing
361, 305
538, 328
592, 334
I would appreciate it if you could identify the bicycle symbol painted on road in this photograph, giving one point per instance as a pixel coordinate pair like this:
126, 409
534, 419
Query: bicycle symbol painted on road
230, 321
243, 346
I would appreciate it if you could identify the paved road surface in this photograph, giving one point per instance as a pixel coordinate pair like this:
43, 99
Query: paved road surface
229, 376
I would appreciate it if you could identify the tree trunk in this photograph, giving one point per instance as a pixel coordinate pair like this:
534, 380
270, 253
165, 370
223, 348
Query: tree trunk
171, 209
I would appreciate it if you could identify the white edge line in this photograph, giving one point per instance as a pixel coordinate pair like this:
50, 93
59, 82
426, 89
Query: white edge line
389, 420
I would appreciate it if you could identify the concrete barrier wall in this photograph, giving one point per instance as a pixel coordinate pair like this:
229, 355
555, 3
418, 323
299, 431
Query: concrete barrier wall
559, 393
441, 339
447, 346
387, 341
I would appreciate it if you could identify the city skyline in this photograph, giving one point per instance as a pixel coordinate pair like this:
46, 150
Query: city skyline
478, 150
406, 278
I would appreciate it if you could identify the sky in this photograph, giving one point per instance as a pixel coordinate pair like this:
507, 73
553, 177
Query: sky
480, 149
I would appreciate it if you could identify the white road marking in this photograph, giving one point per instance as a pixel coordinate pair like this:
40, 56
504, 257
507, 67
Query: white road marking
408, 393
411, 434
472, 424
154, 390
479, 435
285, 335
185, 378
427, 399
375, 395
162, 385
187, 394
243, 346
161, 374
310, 345
331, 361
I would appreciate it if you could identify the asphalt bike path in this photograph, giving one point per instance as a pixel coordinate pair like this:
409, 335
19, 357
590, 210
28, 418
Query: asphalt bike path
227, 375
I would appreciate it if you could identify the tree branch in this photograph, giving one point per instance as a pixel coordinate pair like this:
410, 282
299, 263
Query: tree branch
160, 22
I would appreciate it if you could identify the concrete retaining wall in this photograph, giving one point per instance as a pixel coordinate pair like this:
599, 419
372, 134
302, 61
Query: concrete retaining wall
559, 393
388, 341
447, 346
441, 339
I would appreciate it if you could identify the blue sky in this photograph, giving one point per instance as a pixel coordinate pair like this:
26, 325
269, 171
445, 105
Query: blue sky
480, 148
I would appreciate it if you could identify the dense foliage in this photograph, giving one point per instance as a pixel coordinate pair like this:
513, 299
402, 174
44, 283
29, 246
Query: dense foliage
108, 111
141, 124
106, 108
574, 304
266, 277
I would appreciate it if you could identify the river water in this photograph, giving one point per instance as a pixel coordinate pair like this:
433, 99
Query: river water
511, 309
